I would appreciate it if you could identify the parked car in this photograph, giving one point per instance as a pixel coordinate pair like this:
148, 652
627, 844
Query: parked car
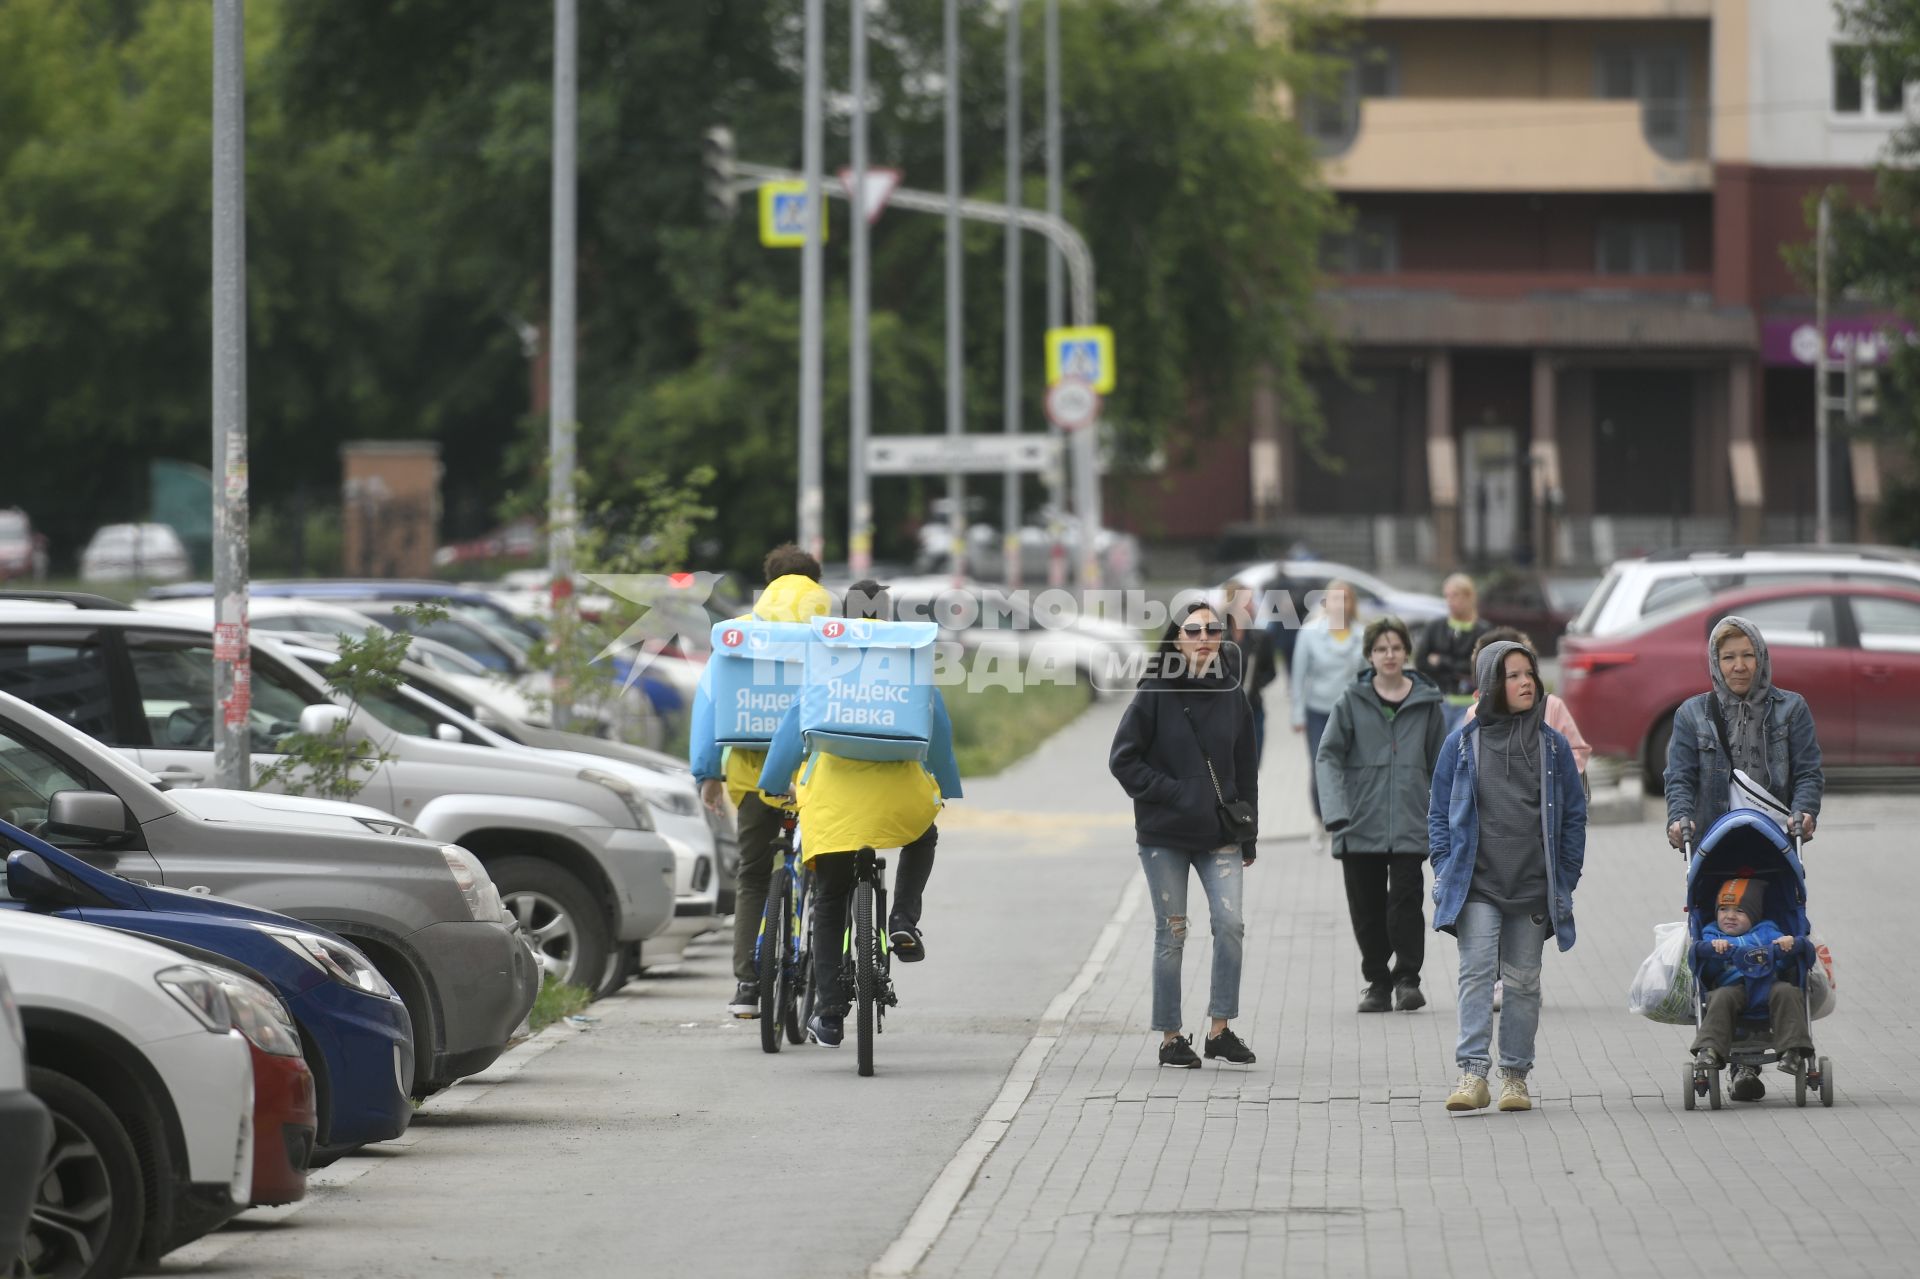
26, 1131
1637, 588
1305, 577
977, 615
23, 552
1538, 603
582, 841
1852, 649
424, 911
353, 1028
134, 553
133, 1051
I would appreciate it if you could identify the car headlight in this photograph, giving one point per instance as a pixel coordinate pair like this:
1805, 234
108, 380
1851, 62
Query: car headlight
337, 960
483, 899
259, 1015
200, 994
629, 795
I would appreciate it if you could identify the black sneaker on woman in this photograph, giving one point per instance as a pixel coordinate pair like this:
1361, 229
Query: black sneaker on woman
1178, 1051
1228, 1047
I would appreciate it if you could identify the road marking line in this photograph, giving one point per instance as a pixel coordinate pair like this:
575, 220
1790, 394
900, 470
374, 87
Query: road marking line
943, 1198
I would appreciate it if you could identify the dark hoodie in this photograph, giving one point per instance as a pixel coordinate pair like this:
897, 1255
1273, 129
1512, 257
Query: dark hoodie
1510, 870
1157, 757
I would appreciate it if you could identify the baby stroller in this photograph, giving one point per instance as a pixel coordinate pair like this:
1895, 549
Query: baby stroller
1750, 844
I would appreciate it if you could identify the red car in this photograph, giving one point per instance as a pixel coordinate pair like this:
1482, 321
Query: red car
1852, 650
285, 1116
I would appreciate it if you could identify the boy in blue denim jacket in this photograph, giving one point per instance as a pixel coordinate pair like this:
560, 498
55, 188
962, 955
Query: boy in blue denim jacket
1739, 956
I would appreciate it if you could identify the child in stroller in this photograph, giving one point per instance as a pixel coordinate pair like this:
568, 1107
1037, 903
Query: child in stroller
1746, 915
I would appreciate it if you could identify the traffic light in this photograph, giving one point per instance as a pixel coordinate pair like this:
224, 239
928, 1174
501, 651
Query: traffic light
717, 160
1863, 388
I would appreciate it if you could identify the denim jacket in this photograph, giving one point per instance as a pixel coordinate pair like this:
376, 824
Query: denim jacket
1700, 779
1453, 827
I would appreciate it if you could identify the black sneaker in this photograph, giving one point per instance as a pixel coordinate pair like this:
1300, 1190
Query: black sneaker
1178, 1051
1377, 999
1408, 998
827, 1029
1747, 1085
746, 1001
906, 943
1229, 1047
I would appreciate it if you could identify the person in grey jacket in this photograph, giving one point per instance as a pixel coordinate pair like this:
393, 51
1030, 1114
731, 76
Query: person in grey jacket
1743, 722
1326, 656
1375, 769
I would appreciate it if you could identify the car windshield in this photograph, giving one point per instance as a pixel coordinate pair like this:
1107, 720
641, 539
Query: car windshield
1568, 594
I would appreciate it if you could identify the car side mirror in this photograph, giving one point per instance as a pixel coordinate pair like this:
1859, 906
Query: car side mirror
322, 720
91, 815
31, 880
448, 733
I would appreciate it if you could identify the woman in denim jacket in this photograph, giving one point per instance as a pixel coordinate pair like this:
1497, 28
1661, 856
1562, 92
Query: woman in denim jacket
1743, 722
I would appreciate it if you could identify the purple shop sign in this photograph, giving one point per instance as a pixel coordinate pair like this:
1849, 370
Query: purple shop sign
1796, 341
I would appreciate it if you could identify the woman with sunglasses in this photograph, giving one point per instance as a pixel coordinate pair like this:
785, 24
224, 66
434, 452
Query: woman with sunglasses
1184, 753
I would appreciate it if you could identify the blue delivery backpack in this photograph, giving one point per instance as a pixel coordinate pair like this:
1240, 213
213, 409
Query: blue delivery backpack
758, 669
869, 689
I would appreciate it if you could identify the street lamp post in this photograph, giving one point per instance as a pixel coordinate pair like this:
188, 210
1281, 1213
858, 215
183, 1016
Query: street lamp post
561, 379
956, 311
232, 648
859, 503
1010, 483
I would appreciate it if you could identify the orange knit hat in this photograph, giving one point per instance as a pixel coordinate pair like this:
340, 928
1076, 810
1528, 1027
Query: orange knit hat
1748, 895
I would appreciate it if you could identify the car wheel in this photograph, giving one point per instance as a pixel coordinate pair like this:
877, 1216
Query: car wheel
557, 912
1653, 770
87, 1212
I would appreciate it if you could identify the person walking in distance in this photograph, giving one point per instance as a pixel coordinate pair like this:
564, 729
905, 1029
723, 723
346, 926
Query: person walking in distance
1184, 754
1507, 834
732, 774
1257, 667
1326, 657
1375, 769
1445, 651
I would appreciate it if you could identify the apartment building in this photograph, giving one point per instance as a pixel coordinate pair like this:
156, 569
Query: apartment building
1571, 332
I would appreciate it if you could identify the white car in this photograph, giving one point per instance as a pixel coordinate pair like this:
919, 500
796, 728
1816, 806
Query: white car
25, 1129
1377, 598
150, 1087
1636, 588
134, 553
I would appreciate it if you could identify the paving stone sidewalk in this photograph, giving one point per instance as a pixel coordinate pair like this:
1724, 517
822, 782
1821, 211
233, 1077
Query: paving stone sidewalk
1334, 1156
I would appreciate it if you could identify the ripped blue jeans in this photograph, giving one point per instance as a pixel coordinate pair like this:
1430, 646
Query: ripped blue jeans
1220, 876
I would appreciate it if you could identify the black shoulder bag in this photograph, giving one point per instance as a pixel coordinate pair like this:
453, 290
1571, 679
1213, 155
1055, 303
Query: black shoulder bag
1236, 815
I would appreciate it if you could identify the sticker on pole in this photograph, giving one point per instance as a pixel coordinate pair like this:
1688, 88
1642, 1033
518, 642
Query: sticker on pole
1072, 404
783, 215
1081, 355
879, 189
229, 641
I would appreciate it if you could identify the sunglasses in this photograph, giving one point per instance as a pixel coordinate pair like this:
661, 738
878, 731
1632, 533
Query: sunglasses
1211, 628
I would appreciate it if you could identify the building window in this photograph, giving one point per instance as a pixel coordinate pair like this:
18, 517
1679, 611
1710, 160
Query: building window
1657, 79
1639, 248
1865, 86
1332, 120
1370, 246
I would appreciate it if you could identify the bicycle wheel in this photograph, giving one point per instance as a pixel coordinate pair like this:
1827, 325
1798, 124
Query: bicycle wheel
866, 978
799, 1001
776, 943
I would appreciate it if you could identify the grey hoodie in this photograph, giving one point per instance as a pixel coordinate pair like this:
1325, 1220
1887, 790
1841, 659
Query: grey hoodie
1510, 870
1744, 717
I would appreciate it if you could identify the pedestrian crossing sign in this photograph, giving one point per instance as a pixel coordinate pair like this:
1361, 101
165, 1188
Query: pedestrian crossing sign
1082, 355
783, 215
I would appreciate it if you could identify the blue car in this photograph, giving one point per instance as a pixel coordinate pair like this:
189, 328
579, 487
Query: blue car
355, 1031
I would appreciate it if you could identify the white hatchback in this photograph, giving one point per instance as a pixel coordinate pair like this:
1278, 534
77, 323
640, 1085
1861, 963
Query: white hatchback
1637, 588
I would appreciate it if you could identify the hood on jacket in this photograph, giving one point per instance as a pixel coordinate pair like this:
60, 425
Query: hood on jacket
1501, 730
1763, 663
1424, 689
793, 598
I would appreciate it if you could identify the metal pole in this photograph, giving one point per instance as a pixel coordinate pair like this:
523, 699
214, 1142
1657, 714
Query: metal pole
956, 354
1010, 518
859, 501
560, 396
1822, 520
232, 648
1056, 495
812, 501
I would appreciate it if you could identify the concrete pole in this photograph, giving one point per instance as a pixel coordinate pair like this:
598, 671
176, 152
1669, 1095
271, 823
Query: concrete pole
1823, 509
812, 500
232, 648
859, 499
956, 311
1010, 516
561, 411
1056, 304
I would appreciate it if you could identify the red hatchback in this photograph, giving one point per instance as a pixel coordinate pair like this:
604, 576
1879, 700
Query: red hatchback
1852, 650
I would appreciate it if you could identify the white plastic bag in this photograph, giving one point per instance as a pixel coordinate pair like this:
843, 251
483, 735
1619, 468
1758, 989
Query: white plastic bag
1663, 988
1823, 990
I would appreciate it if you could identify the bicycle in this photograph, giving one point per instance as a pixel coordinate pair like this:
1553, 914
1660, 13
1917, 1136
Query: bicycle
866, 966
786, 986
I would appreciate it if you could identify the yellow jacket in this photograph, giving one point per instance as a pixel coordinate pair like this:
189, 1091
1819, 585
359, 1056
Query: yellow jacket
792, 598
